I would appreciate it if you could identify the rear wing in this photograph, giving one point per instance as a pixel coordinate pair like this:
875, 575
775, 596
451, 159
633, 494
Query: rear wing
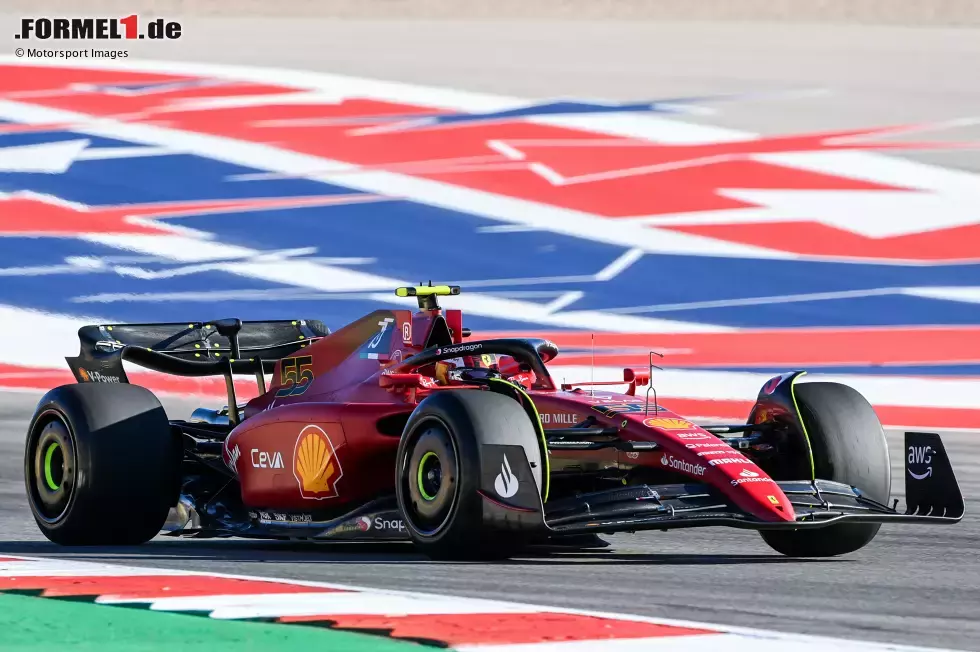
220, 347
199, 341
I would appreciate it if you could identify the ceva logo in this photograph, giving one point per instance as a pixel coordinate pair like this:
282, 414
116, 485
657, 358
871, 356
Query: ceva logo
264, 460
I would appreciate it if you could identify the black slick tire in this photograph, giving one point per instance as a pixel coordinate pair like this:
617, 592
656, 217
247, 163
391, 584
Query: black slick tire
848, 446
437, 478
101, 465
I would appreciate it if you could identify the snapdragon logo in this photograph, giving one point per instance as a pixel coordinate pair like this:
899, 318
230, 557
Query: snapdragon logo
462, 348
682, 465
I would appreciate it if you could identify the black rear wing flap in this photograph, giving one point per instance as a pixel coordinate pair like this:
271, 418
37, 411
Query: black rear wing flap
220, 347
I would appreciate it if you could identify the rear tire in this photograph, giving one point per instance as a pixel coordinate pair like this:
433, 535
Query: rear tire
437, 479
101, 465
849, 446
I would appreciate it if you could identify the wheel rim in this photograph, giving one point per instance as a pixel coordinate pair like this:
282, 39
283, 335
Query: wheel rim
54, 465
51, 469
429, 478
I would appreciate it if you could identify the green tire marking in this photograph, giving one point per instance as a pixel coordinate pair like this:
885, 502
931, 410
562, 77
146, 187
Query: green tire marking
48, 477
30, 624
539, 428
799, 417
425, 496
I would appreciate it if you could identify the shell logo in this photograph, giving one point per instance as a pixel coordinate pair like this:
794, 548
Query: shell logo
669, 423
83, 373
316, 466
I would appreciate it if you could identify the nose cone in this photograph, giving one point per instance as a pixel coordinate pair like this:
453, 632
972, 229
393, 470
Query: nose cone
757, 494
692, 450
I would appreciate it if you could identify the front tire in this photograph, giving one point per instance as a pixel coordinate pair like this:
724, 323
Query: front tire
438, 475
848, 446
101, 465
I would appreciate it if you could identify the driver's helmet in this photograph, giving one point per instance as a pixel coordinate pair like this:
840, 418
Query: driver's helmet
504, 365
443, 367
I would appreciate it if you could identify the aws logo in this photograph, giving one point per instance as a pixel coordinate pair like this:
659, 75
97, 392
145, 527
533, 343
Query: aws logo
315, 464
920, 455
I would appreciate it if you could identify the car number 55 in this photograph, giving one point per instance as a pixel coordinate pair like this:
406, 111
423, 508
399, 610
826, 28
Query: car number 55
295, 375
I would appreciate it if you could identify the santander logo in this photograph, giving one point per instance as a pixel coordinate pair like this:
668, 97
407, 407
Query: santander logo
682, 465
749, 476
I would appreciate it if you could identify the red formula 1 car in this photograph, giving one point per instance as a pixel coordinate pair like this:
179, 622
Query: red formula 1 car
398, 426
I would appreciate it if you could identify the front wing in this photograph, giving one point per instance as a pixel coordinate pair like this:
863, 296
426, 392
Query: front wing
931, 493
817, 504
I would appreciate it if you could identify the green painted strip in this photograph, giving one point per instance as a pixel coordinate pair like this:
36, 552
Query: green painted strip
30, 624
48, 476
799, 417
418, 480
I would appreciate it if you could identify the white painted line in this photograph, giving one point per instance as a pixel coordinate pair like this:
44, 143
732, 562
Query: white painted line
311, 604
966, 294
692, 643
759, 301
506, 150
506, 228
104, 153
618, 266
564, 301
20, 327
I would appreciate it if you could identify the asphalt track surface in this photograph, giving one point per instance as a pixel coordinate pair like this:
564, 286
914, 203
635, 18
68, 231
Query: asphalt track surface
911, 585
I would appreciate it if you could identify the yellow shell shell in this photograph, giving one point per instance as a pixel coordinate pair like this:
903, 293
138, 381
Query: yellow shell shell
669, 423
315, 463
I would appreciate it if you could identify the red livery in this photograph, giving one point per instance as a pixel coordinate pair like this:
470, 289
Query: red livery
400, 426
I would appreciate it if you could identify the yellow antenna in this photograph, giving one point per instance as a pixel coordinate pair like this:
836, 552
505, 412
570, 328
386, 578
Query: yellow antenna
427, 294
